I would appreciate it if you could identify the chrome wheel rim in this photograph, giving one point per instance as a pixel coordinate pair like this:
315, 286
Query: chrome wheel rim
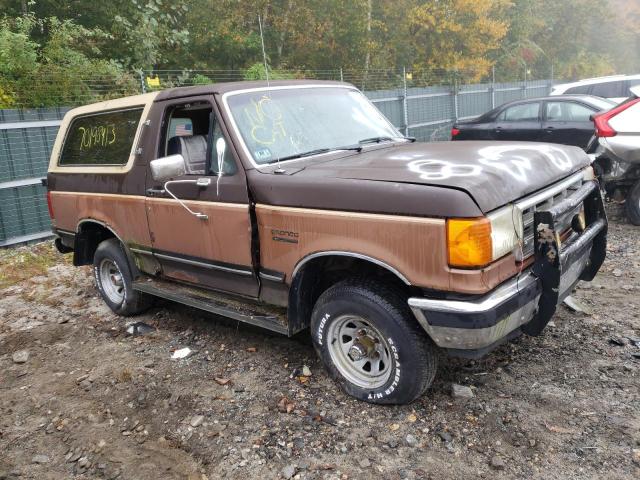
111, 280
359, 351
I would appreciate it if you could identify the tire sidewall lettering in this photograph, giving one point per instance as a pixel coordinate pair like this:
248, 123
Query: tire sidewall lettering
396, 375
320, 331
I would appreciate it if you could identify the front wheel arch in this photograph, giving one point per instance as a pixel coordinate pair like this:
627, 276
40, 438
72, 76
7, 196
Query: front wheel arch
317, 272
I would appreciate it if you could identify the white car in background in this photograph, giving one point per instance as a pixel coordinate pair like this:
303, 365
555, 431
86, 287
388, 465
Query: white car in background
616, 88
617, 156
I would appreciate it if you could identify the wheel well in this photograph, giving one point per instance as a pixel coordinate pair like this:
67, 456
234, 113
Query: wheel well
320, 273
88, 237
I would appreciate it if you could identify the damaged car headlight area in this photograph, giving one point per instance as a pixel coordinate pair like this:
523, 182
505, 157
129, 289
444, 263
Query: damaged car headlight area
476, 242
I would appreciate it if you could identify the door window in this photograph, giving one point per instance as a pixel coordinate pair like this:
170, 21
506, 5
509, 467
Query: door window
189, 129
567, 112
526, 112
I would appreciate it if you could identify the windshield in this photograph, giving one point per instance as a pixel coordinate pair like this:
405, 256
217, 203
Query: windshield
289, 123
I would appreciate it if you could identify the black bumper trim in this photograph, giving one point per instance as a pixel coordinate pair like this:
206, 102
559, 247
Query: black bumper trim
476, 320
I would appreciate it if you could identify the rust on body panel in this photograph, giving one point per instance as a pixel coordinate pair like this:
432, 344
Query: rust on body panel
225, 236
483, 280
124, 214
415, 247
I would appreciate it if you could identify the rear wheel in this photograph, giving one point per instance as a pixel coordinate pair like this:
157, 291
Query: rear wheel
370, 343
114, 281
632, 204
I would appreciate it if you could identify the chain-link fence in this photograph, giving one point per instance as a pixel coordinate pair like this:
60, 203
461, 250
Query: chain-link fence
420, 104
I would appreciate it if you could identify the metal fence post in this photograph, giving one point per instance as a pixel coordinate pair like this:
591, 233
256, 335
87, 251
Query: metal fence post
405, 102
142, 85
455, 96
493, 87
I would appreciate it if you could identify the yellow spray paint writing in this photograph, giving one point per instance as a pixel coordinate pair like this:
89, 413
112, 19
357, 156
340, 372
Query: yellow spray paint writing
265, 119
98, 136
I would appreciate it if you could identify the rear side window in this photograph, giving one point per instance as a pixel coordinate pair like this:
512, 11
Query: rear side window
609, 89
101, 139
567, 112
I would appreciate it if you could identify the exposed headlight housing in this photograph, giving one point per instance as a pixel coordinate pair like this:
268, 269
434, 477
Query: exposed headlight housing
476, 242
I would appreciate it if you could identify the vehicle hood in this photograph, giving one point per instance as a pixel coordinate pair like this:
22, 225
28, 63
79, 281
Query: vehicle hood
492, 173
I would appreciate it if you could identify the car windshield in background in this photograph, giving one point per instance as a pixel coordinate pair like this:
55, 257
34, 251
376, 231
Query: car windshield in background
294, 122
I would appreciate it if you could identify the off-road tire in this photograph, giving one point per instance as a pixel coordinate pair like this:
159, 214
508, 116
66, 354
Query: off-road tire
632, 204
414, 359
133, 302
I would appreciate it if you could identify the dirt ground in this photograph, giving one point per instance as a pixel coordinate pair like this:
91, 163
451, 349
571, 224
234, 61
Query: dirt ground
92, 401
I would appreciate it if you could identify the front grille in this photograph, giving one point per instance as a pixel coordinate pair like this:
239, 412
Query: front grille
542, 201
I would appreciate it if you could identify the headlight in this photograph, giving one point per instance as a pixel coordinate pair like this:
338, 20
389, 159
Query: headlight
476, 242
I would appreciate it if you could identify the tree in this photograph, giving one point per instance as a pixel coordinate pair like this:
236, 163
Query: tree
457, 35
63, 70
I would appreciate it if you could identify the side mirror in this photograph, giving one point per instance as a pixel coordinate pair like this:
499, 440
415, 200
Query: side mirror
221, 148
165, 168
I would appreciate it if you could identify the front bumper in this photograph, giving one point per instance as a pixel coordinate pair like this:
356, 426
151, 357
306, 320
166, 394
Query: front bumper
527, 302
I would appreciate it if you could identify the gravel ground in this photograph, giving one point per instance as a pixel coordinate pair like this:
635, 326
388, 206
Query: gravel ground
82, 398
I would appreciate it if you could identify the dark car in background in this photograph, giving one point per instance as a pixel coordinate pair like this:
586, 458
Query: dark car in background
562, 119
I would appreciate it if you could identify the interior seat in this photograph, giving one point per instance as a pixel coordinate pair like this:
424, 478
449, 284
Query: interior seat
194, 150
554, 112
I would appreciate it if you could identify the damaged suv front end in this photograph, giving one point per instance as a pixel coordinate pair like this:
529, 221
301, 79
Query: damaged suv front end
559, 236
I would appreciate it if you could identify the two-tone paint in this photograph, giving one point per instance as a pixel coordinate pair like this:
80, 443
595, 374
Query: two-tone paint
386, 205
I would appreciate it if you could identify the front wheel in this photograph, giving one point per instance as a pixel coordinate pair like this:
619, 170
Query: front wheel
370, 343
632, 204
114, 280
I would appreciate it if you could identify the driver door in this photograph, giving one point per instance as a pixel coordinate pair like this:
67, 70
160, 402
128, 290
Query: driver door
211, 250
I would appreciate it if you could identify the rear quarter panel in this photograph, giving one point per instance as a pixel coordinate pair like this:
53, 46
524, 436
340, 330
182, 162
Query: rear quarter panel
110, 194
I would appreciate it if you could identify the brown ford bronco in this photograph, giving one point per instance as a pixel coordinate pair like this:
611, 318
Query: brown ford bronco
297, 205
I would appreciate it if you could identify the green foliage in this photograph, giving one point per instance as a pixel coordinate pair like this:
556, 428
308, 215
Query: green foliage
199, 79
257, 72
150, 31
18, 53
63, 70
76, 51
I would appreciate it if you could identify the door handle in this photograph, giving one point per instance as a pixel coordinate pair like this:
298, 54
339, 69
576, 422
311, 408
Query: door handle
155, 192
498, 129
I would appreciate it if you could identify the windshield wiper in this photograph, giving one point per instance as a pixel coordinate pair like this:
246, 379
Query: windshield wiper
303, 154
384, 139
318, 151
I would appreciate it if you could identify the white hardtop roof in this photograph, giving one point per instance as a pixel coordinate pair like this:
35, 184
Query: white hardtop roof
598, 80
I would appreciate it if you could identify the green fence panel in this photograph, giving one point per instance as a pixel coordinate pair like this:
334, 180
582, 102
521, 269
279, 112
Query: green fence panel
26, 140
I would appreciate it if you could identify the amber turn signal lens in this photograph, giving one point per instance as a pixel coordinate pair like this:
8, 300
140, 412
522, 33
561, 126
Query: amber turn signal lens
469, 242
